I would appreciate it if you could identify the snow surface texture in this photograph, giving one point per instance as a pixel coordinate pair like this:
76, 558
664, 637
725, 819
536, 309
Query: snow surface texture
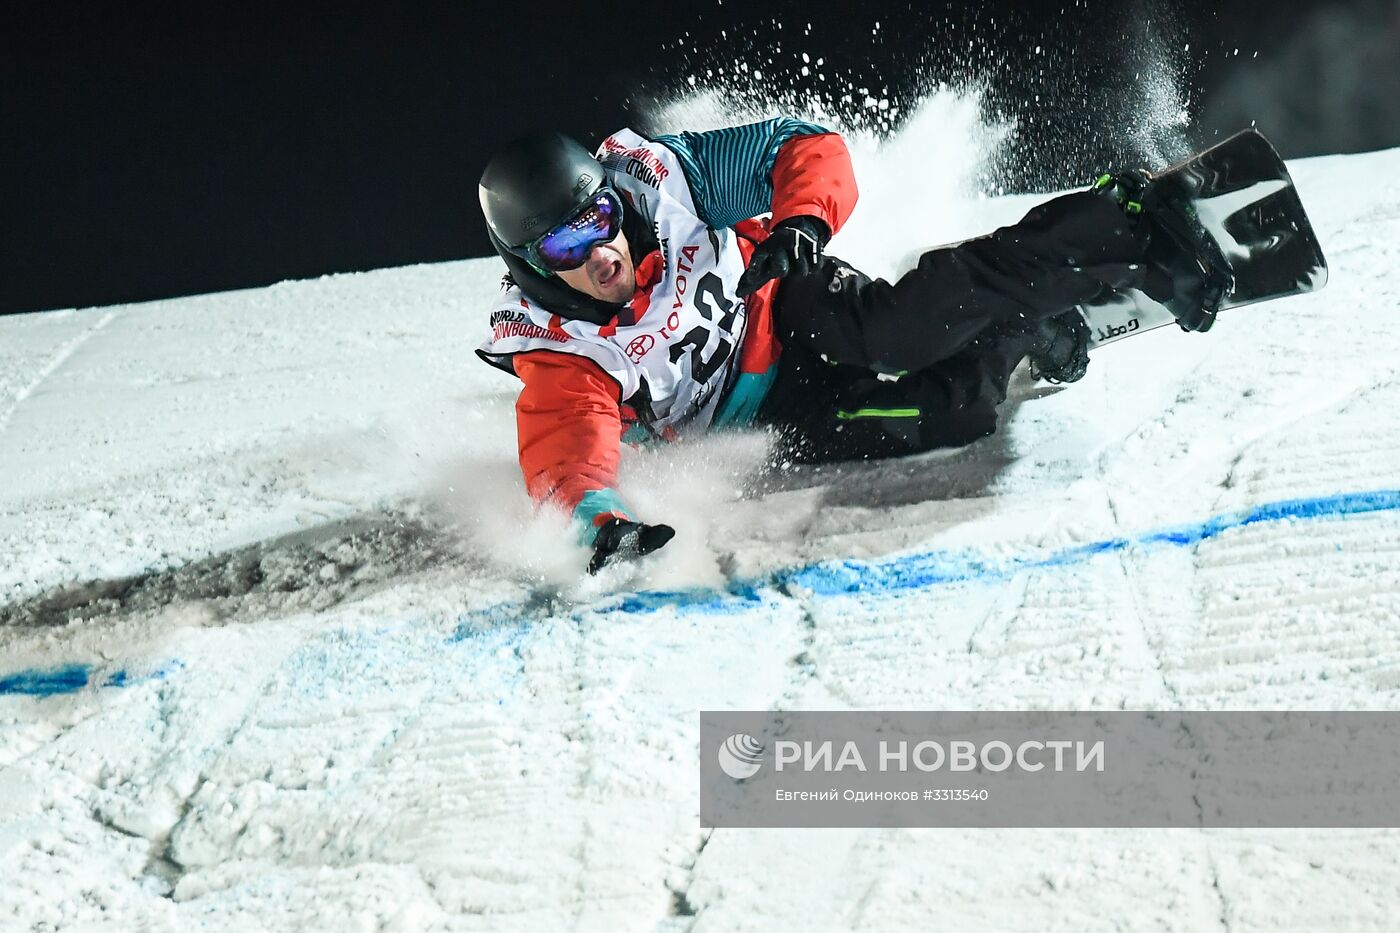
282, 647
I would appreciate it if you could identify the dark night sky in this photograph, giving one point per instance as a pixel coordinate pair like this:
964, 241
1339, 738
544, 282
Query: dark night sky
149, 155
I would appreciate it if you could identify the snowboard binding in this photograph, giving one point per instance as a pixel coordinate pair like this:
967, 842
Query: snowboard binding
1219, 230
1186, 271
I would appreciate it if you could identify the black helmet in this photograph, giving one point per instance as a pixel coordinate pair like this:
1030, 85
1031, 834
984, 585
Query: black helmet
536, 183
529, 187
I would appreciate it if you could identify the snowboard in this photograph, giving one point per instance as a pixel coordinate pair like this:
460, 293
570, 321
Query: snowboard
1241, 198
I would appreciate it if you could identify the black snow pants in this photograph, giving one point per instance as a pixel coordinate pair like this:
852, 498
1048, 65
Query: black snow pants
872, 369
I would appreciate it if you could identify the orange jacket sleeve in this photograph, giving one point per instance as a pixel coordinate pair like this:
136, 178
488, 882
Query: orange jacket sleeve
569, 429
813, 175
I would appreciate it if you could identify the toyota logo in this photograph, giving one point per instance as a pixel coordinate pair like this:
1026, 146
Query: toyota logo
640, 347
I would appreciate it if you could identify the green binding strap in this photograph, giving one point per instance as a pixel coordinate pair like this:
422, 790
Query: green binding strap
1129, 206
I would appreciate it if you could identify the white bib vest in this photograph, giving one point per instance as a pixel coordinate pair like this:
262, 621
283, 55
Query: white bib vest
674, 362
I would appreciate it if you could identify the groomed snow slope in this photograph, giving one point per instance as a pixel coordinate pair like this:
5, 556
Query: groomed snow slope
283, 649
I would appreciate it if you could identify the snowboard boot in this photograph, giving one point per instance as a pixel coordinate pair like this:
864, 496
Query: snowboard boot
1186, 272
1060, 351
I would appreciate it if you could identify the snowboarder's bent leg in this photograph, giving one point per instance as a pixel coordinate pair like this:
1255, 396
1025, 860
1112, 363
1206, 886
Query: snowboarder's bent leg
1065, 252
827, 412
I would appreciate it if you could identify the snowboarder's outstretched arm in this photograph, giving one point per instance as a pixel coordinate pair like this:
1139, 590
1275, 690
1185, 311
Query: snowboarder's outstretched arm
569, 427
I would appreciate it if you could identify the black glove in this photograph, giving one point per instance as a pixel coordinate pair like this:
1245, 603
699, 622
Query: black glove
623, 540
794, 246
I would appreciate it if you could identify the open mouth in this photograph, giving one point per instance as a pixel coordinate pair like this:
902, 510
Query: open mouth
609, 273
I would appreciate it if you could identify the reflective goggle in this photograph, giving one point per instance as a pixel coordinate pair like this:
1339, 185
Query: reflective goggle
567, 245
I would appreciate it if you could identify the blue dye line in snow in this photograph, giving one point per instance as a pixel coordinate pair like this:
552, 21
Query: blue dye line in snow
931, 568
70, 678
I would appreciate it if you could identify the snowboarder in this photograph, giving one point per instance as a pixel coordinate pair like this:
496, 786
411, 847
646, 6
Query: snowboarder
646, 299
